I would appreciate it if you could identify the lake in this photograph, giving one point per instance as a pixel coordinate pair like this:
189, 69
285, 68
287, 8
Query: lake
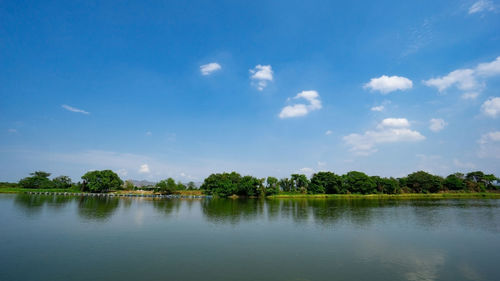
87, 238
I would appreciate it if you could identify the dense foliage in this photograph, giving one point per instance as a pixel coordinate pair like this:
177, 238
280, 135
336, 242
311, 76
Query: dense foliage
101, 181
41, 179
228, 184
169, 186
354, 182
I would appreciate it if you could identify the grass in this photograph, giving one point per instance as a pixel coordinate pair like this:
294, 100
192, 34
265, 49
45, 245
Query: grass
13, 188
444, 195
23, 190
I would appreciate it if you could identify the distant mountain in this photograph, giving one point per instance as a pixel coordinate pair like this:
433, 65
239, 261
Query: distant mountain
141, 183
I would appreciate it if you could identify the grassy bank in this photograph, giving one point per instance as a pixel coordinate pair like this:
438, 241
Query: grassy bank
444, 195
23, 190
9, 189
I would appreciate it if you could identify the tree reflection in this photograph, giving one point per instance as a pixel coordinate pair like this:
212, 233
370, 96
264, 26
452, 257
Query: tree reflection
97, 208
167, 206
232, 210
33, 204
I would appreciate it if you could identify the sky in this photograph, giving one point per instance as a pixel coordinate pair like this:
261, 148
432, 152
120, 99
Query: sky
183, 89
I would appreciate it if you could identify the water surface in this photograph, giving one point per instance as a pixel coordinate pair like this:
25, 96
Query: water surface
87, 238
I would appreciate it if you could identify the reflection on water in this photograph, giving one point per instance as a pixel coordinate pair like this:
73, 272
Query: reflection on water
426, 213
248, 239
97, 208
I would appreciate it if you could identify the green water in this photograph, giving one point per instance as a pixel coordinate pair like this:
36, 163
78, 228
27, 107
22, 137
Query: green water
82, 238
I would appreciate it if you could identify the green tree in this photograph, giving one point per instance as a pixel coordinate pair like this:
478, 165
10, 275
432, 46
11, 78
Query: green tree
422, 182
300, 183
180, 186
191, 185
128, 185
248, 186
223, 185
167, 186
101, 181
358, 182
454, 182
285, 184
272, 186
325, 182
386, 185
62, 182
38, 179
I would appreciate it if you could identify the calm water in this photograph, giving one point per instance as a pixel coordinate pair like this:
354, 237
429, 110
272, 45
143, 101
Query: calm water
73, 238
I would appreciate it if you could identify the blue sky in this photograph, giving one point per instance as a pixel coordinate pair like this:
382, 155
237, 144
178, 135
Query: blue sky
186, 88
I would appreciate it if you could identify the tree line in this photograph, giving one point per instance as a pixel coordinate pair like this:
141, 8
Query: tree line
354, 182
97, 182
228, 184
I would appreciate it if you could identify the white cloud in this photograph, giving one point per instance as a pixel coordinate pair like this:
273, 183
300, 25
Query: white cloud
437, 124
301, 109
390, 130
488, 69
74, 109
481, 5
394, 123
470, 96
386, 84
296, 110
491, 107
377, 108
209, 68
469, 80
144, 169
12, 131
489, 145
149, 133
321, 164
464, 79
328, 132
261, 75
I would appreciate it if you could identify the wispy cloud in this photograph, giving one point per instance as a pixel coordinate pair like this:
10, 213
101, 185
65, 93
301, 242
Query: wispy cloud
481, 6
377, 108
386, 84
74, 109
419, 37
301, 109
261, 75
209, 68
489, 145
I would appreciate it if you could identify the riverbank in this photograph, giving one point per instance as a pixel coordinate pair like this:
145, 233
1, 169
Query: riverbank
444, 195
181, 193
76, 191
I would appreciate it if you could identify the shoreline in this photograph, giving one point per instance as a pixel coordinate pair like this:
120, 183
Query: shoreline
199, 194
